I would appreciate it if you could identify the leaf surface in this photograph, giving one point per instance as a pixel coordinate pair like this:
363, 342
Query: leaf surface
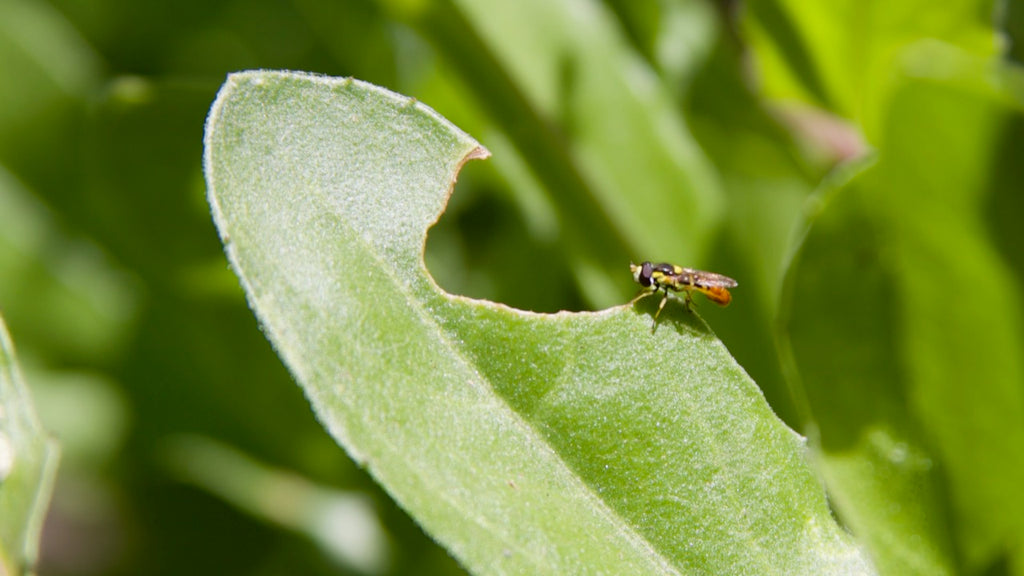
525, 443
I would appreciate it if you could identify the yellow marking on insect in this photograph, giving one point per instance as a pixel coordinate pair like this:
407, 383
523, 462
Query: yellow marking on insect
665, 277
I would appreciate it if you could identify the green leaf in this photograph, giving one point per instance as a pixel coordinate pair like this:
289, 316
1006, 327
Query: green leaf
28, 465
525, 443
915, 380
843, 54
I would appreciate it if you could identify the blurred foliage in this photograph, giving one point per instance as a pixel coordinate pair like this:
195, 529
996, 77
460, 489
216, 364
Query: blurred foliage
705, 133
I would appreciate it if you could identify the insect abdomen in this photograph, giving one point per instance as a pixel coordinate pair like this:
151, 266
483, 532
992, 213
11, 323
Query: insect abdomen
720, 296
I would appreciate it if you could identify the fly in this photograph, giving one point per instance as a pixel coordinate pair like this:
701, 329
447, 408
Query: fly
665, 277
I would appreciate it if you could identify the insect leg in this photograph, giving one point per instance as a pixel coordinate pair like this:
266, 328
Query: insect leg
661, 306
643, 294
689, 301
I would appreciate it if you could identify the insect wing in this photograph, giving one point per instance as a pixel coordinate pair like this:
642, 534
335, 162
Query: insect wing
708, 280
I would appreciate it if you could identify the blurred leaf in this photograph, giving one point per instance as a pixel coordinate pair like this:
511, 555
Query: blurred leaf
874, 459
592, 119
46, 73
62, 292
526, 443
842, 54
486, 243
673, 35
765, 184
28, 465
916, 381
343, 523
87, 411
621, 123
47, 57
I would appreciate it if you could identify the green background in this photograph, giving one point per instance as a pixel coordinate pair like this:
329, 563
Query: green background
887, 138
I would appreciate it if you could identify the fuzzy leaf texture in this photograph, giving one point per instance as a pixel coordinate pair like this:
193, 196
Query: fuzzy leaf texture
572, 443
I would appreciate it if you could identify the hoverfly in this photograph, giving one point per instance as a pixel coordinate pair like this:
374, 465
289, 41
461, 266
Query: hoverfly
665, 277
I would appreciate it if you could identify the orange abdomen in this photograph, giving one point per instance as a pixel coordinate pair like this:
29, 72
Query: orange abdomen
720, 296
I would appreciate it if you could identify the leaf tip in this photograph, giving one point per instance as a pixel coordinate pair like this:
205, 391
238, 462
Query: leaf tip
478, 153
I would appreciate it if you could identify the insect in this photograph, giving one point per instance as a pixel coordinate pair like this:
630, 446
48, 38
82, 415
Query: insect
665, 277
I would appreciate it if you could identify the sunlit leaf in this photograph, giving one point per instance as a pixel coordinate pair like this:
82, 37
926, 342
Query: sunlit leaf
842, 54
525, 443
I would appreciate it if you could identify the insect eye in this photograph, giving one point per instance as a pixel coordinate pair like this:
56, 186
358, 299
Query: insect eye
645, 274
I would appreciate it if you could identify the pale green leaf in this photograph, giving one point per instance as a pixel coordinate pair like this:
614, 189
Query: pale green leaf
525, 443
28, 464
